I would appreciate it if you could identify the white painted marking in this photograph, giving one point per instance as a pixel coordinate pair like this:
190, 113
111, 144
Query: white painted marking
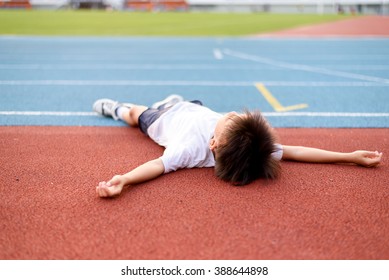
267, 114
48, 113
357, 67
169, 67
218, 54
129, 67
185, 83
303, 67
121, 83
326, 114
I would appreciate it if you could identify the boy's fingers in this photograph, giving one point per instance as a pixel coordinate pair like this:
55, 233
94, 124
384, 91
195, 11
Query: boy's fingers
101, 190
376, 155
104, 190
375, 159
371, 154
98, 190
108, 189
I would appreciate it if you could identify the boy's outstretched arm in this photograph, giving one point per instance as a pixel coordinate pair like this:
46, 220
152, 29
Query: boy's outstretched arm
145, 172
306, 154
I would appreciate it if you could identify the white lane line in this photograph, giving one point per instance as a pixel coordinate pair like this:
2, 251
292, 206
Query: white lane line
174, 66
48, 113
268, 114
303, 67
326, 114
120, 83
218, 54
130, 67
186, 83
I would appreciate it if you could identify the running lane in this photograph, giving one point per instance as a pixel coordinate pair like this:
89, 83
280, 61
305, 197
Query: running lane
54, 81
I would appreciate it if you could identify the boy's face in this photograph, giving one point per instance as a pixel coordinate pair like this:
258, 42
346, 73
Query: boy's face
221, 125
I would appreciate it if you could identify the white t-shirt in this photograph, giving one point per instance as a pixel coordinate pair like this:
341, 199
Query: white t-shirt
185, 130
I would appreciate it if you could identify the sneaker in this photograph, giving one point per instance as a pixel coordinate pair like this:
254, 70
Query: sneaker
107, 108
168, 101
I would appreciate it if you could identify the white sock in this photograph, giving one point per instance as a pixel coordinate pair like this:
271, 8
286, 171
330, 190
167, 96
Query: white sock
120, 111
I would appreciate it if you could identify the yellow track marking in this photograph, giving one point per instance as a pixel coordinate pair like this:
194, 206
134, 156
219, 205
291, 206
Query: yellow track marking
274, 102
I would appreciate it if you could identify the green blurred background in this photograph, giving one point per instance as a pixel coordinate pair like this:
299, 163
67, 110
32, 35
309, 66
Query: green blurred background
126, 23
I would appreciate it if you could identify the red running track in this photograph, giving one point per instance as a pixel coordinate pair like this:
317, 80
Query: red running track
49, 209
361, 26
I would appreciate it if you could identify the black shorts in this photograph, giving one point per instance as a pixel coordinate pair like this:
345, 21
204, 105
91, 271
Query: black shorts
149, 116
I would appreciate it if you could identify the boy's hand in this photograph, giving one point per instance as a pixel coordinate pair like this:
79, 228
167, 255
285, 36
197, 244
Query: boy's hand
147, 171
111, 188
366, 158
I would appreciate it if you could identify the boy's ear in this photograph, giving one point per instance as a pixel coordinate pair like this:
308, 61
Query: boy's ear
212, 144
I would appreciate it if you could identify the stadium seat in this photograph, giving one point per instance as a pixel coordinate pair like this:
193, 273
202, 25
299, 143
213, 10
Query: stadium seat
156, 5
15, 4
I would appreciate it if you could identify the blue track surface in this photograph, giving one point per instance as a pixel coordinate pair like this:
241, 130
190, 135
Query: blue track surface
55, 80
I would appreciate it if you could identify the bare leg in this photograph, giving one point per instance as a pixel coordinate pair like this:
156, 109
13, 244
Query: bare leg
131, 118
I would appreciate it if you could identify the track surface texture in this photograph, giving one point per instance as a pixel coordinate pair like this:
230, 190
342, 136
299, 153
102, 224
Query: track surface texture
313, 211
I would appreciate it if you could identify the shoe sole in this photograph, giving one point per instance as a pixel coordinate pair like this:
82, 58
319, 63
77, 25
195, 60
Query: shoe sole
167, 100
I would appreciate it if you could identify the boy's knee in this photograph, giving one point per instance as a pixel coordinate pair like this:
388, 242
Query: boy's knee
133, 119
134, 113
